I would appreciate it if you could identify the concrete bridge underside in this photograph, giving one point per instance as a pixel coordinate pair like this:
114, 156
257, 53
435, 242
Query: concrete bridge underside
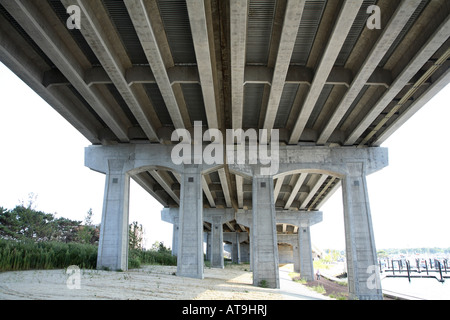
335, 89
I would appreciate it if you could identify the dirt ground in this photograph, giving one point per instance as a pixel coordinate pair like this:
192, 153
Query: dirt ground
151, 282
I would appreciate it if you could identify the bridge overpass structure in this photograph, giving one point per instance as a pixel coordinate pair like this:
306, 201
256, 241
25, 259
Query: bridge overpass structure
326, 82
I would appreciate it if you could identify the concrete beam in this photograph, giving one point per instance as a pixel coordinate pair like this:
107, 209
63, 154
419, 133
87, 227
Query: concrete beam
238, 37
204, 53
240, 191
384, 42
301, 178
293, 15
225, 188
40, 29
95, 20
207, 192
144, 29
313, 191
295, 218
16, 56
439, 37
434, 89
162, 178
345, 20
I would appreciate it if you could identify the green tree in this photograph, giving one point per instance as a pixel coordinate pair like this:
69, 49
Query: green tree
87, 232
136, 235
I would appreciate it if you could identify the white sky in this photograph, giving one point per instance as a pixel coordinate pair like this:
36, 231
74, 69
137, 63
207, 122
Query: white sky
42, 153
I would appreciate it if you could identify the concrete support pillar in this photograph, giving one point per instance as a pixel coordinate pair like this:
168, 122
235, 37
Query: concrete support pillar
236, 249
296, 255
113, 242
264, 234
217, 242
190, 233
305, 254
363, 277
170, 215
208, 245
175, 238
245, 252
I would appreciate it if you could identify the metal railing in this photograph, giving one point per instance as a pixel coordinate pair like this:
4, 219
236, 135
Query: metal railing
433, 268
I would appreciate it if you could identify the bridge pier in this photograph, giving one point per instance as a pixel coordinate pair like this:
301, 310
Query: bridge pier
363, 275
113, 242
217, 217
351, 165
190, 233
264, 234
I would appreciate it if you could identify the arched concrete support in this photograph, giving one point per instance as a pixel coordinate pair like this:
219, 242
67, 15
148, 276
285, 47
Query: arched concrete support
113, 242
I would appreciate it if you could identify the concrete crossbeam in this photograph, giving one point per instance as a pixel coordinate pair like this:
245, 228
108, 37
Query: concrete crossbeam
295, 218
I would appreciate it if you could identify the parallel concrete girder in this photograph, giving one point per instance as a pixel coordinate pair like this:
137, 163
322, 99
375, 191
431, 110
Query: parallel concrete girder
143, 180
295, 190
345, 21
313, 191
96, 36
225, 187
293, 15
203, 51
15, 56
144, 29
437, 86
163, 180
439, 37
38, 27
238, 35
390, 33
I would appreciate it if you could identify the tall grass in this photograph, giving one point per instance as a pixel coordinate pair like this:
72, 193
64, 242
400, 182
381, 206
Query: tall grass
29, 255
138, 257
26, 255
